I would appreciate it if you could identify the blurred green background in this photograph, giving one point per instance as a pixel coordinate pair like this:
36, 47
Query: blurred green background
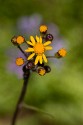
60, 93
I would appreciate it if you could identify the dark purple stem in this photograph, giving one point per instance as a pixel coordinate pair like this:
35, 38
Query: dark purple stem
20, 101
50, 56
22, 51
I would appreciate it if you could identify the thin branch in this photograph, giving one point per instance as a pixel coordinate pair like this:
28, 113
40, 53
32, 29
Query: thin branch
22, 51
18, 106
50, 56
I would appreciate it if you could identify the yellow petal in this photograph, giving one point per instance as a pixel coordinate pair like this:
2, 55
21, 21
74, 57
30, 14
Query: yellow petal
37, 38
28, 42
31, 56
47, 43
40, 59
37, 59
29, 50
32, 40
45, 59
48, 48
40, 39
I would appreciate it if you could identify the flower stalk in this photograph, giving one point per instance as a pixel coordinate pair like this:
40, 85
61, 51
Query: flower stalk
21, 98
22, 51
35, 61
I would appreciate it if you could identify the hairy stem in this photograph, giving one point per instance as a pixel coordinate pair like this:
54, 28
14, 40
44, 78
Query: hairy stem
23, 92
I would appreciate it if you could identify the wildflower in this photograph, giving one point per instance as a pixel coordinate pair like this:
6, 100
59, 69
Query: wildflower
35, 57
38, 48
34, 60
27, 25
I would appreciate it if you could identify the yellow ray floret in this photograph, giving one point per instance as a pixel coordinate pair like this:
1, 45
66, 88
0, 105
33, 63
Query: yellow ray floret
47, 43
37, 39
40, 59
37, 59
40, 39
31, 56
44, 57
38, 48
32, 40
48, 48
29, 50
30, 43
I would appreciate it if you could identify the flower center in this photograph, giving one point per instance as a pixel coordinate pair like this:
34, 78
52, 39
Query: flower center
39, 48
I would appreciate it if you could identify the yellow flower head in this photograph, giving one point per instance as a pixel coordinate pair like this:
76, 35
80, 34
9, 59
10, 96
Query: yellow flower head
37, 49
19, 61
43, 28
20, 39
62, 52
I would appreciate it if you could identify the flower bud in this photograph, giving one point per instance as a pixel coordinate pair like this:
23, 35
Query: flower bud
28, 66
43, 29
61, 53
19, 61
49, 37
20, 39
47, 68
41, 71
14, 40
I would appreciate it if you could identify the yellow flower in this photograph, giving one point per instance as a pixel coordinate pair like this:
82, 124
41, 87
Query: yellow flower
19, 61
38, 48
43, 28
62, 52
